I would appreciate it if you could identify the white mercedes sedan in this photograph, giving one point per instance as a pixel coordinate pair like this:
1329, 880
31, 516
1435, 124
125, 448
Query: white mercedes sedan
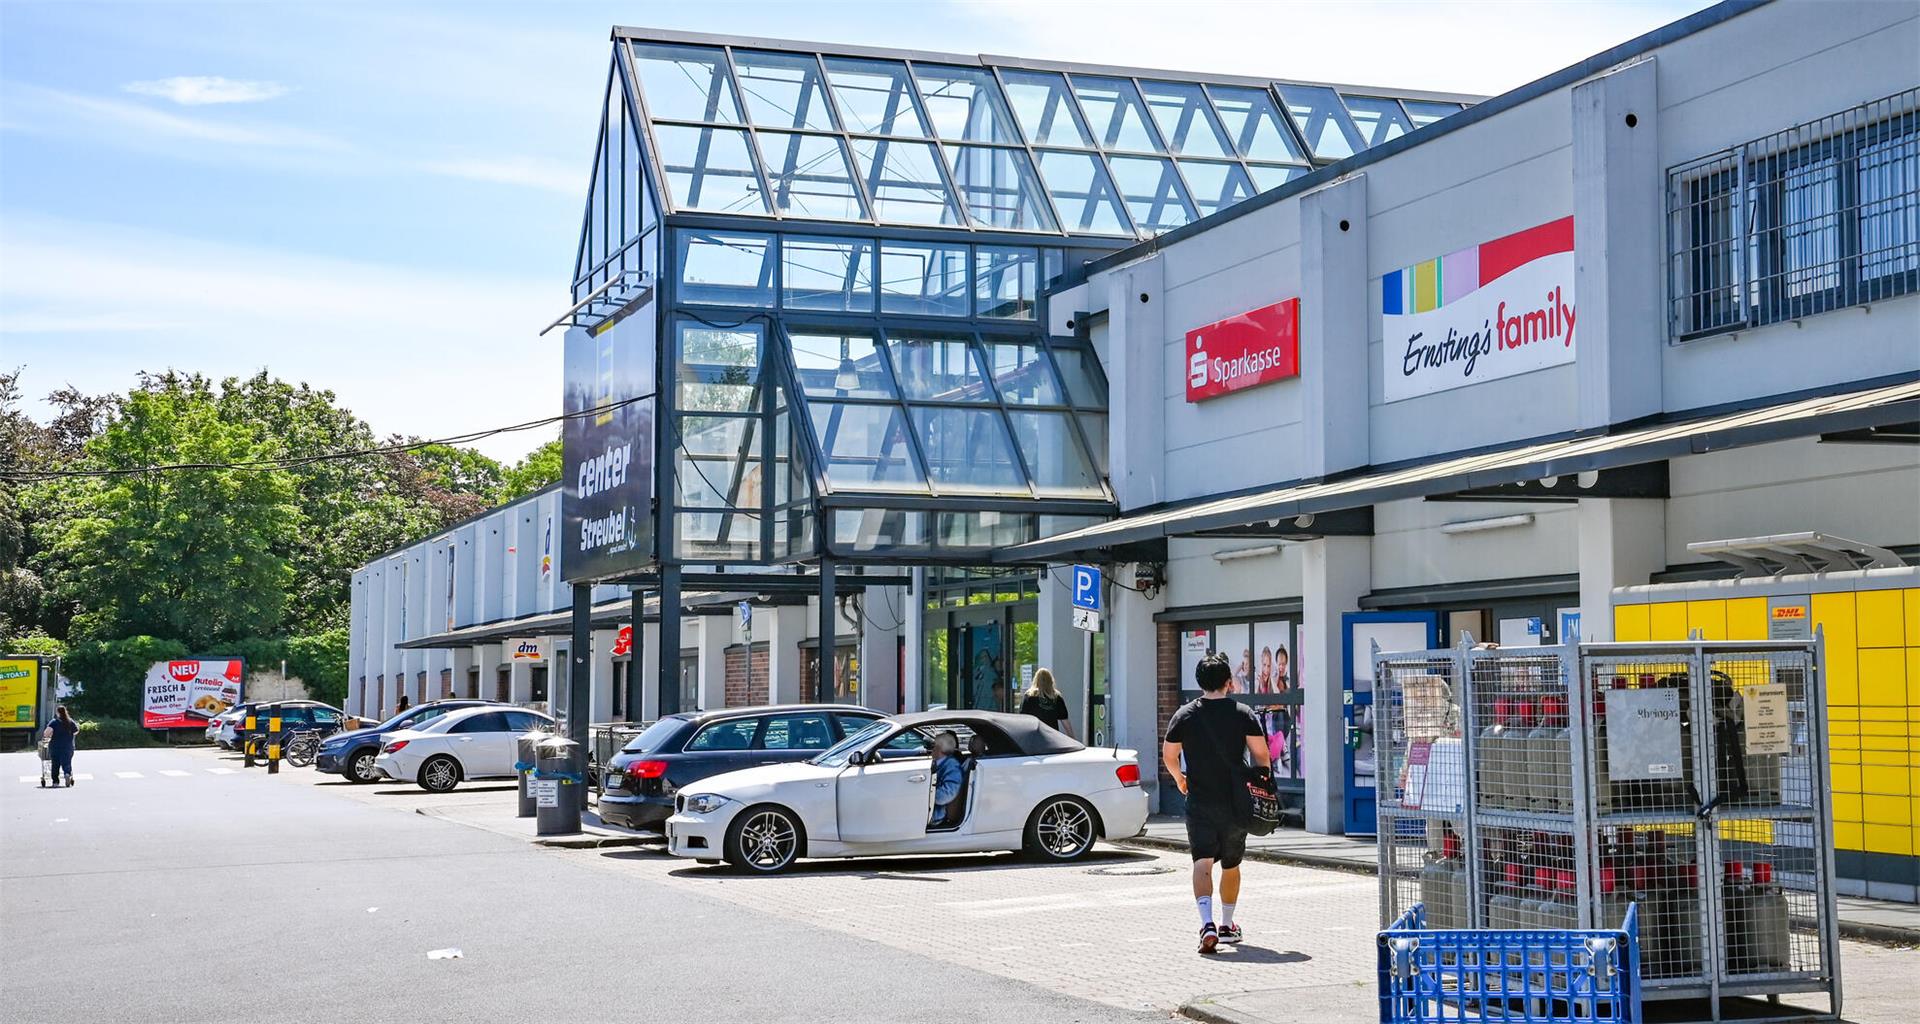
471, 743
1023, 786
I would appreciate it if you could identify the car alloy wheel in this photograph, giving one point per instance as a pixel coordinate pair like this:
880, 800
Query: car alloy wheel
439, 774
360, 766
767, 840
1062, 829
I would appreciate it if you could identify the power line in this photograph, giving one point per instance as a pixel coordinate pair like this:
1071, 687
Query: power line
293, 462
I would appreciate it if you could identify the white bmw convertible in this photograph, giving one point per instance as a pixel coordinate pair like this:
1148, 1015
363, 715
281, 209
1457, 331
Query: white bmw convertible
1023, 786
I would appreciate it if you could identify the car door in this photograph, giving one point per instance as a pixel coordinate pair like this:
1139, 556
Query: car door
888, 800
483, 743
718, 747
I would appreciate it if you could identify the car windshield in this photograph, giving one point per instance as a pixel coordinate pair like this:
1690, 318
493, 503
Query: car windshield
653, 735
836, 755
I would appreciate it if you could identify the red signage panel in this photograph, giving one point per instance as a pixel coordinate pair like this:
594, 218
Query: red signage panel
1257, 347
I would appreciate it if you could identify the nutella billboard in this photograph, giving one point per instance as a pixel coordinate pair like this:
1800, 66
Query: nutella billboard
184, 694
1257, 347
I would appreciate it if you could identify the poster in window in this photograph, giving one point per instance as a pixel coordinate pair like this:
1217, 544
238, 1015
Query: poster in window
1273, 677
1236, 643
1194, 645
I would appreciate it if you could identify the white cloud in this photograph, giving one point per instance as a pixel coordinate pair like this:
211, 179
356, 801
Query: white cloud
531, 172
411, 351
200, 90
57, 111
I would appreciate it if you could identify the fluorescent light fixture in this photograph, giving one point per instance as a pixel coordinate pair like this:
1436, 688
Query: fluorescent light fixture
1238, 553
1495, 523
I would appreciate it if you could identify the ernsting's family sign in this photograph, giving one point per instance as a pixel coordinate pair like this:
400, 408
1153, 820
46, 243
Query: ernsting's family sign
1494, 310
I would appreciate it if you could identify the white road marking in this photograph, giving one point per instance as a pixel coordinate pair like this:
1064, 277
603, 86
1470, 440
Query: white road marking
84, 777
219, 771
174, 773
128, 775
29, 778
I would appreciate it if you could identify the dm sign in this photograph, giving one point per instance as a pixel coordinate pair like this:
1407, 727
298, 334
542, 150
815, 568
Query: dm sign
1257, 347
607, 451
1494, 310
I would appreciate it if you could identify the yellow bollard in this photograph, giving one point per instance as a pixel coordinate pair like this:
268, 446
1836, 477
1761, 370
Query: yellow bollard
273, 745
246, 739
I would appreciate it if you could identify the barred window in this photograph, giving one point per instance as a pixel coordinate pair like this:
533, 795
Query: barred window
1815, 218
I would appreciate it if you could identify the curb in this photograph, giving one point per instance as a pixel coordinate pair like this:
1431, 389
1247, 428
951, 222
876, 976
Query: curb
1209, 1012
1863, 931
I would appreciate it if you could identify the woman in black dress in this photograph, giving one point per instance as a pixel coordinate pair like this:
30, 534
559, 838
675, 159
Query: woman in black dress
1043, 701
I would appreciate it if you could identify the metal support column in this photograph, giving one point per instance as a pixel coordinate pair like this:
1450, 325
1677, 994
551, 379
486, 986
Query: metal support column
580, 685
636, 656
669, 653
829, 628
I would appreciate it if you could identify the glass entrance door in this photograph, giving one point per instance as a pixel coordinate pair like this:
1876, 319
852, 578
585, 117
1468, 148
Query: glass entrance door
980, 679
1393, 631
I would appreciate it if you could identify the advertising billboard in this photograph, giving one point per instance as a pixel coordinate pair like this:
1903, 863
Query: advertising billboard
1257, 347
184, 694
1488, 311
606, 504
19, 692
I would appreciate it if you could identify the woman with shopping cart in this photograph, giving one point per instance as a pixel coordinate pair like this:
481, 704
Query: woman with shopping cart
58, 737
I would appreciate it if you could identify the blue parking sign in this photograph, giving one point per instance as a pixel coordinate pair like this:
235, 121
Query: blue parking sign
1086, 587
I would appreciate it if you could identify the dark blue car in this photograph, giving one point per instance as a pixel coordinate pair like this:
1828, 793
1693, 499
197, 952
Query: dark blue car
639, 783
351, 753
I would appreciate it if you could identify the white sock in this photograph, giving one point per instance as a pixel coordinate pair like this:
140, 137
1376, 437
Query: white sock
1226, 915
1206, 908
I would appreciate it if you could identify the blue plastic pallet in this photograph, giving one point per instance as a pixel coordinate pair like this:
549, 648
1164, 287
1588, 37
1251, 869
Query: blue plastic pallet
1466, 976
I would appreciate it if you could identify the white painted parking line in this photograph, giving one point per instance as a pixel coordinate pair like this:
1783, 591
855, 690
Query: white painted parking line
174, 773
83, 777
29, 778
128, 775
219, 771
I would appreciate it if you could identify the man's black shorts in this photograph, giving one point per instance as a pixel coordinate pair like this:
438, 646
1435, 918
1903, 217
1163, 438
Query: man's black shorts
1215, 837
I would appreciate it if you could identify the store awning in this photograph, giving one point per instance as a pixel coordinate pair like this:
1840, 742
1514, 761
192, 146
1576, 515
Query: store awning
606, 615
1564, 459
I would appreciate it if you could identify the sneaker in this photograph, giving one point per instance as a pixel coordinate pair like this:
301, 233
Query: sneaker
1230, 934
1209, 939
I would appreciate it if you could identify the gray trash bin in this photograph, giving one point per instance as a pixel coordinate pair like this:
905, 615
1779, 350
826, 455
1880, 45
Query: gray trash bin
557, 788
526, 753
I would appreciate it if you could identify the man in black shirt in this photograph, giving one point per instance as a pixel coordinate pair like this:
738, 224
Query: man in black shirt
1216, 734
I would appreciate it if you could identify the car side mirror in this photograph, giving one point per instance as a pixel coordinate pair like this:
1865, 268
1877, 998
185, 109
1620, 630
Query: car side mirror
856, 759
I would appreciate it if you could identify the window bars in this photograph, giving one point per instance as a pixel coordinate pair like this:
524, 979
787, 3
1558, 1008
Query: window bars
1818, 217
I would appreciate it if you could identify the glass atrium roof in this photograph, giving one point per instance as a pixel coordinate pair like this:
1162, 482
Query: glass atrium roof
768, 129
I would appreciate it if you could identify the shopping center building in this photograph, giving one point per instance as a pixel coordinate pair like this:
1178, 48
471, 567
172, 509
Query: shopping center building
1296, 365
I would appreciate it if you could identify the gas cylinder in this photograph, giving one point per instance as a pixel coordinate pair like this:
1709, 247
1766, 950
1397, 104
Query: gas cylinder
1550, 758
1503, 910
1768, 930
1443, 884
1496, 760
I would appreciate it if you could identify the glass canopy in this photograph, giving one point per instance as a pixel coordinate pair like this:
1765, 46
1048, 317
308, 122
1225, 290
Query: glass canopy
956, 142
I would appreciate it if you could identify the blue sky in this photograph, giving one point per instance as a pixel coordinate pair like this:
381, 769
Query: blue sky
383, 198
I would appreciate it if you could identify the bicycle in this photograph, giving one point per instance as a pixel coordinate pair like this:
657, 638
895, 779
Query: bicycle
302, 748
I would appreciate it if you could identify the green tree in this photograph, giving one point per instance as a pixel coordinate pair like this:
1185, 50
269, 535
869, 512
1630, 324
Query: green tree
193, 555
539, 468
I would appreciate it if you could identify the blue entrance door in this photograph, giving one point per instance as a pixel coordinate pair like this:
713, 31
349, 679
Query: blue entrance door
1393, 631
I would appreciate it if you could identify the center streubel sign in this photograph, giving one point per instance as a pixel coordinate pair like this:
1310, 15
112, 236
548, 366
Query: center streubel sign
606, 506
1256, 347
1493, 310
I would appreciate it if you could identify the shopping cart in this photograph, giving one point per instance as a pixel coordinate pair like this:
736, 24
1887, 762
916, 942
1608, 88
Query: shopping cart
1579, 976
45, 747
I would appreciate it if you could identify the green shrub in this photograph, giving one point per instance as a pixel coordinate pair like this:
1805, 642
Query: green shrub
320, 661
107, 733
112, 674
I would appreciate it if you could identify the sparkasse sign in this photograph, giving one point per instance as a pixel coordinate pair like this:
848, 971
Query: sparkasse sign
1489, 311
1256, 347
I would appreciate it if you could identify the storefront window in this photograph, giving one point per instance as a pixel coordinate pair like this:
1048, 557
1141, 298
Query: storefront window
1265, 677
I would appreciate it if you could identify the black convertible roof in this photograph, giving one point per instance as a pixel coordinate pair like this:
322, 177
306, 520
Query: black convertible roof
1030, 734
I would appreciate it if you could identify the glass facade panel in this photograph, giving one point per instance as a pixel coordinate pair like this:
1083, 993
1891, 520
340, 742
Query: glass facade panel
718, 536
1086, 382
828, 273
924, 279
1185, 120
1022, 374
721, 466
1115, 114
709, 169
1154, 194
874, 529
719, 368
1425, 112
1269, 176
1083, 194
783, 90
964, 104
809, 176
1378, 118
1006, 281
968, 449
999, 189
905, 182
1045, 108
983, 530
866, 446
685, 83
725, 268
1322, 120
874, 97
1053, 455
1094, 425
1253, 123
1216, 184
839, 364
937, 368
